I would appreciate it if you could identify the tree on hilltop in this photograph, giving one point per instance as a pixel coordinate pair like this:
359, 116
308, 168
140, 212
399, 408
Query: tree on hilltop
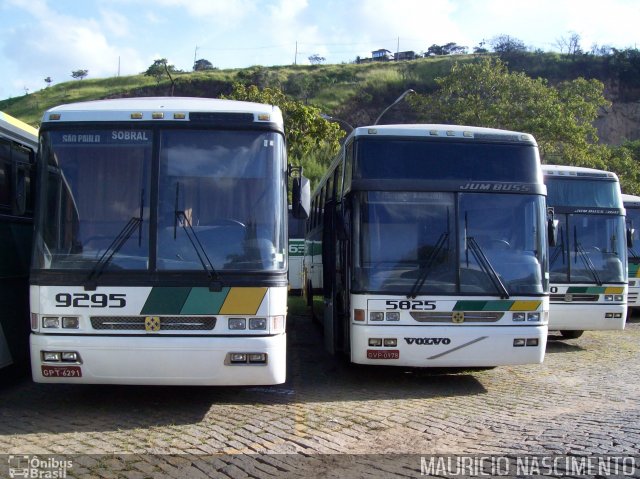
202, 64
79, 74
159, 69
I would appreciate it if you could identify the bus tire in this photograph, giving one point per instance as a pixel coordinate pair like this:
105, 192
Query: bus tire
571, 334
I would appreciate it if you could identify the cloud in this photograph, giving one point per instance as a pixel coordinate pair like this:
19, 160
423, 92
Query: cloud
54, 44
115, 22
225, 14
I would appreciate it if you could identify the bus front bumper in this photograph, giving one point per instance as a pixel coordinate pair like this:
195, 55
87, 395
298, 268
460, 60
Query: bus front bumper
159, 360
587, 317
449, 346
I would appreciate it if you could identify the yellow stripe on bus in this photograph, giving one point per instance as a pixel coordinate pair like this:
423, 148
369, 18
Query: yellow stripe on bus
243, 301
613, 290
525, 306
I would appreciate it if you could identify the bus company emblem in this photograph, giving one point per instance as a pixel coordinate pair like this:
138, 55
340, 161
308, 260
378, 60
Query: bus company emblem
568, 298
457, 317
151, 324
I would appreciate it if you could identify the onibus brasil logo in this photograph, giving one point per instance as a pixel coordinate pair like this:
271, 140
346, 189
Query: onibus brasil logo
38, 467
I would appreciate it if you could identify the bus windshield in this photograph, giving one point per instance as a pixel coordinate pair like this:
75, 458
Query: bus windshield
216, 185
590, 249
446, 243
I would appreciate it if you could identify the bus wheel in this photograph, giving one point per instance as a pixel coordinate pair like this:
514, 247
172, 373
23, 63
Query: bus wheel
571, 334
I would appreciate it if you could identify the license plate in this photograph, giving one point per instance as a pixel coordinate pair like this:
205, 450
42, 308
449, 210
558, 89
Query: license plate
61, 371
379, 354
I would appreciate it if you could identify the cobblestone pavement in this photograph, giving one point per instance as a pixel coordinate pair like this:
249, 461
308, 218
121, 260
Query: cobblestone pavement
584, 400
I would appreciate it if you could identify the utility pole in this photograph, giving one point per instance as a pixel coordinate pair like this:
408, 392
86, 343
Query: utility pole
195, 54
295, 58
398, 50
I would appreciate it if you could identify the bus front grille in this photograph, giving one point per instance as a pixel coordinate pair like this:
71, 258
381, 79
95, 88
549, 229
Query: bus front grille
167, 323
573, 297
447, 317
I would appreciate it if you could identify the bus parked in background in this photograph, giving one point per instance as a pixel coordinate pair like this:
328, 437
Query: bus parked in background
632, 208
160, 243
18, 145
296, 252
429, 243
588, 264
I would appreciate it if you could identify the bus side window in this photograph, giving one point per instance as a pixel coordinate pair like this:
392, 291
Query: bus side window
5, 175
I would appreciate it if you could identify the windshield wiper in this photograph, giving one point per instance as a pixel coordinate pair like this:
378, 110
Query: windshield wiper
435, 252
90, 284
486, 266
584, 256
483, 261
215, 283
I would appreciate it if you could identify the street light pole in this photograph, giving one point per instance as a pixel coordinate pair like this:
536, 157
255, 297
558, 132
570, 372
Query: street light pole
324, 116
398, 100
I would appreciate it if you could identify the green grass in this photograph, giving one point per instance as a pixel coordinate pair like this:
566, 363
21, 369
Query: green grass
356, 87
297, 305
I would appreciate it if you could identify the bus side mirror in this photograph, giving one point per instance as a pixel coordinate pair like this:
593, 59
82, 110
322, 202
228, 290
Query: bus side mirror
300, 194
630, 233
552, 231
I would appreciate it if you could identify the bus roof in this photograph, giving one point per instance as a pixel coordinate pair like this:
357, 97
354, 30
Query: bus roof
159, 109
18, 130
631, 200
577, 172
444, 131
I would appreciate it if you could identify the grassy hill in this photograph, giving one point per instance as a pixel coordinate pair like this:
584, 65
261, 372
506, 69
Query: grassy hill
356, 93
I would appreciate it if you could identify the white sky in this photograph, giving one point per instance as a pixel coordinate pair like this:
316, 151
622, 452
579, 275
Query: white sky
52, 38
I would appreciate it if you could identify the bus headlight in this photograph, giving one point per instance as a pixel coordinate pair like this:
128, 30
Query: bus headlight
70, 356
258, 323
51, 356
237, 323
619, 297
608, 297
533, 316
50, 322
376, 316
70, 322
518, 316
393, 316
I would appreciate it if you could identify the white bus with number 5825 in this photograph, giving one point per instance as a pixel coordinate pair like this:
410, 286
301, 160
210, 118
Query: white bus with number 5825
429, 243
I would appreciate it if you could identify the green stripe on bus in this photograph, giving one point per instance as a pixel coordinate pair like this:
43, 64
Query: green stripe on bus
165, 300
203, 301
494, 305
586, 289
